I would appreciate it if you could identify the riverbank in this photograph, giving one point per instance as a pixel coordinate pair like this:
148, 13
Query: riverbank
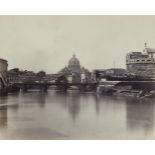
126, 91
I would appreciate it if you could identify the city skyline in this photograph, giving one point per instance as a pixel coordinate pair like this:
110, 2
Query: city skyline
77, 77
48, 42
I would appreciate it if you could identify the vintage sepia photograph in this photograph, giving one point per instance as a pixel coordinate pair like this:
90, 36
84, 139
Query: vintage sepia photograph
77, 77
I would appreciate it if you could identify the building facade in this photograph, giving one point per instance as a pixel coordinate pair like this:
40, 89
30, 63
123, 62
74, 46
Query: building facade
3, 67
3, 73
15, 75
141, 63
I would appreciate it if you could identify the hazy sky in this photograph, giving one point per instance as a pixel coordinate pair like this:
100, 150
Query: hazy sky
48, 42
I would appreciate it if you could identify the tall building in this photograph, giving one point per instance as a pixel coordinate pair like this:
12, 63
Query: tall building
3, 67
141, 63
3, 74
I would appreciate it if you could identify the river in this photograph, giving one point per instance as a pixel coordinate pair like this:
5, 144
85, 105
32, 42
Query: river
75, 115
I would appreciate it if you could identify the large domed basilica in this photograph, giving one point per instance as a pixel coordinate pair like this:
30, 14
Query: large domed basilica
74, 64
74, 69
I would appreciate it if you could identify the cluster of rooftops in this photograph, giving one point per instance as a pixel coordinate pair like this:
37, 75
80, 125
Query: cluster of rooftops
3, 60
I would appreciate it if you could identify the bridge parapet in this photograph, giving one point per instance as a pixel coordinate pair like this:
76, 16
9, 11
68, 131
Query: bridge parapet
43, 86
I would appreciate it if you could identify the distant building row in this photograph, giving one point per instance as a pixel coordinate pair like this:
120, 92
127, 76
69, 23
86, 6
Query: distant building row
137, 63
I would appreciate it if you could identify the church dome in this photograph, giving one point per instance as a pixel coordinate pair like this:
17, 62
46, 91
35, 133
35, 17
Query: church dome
74, 61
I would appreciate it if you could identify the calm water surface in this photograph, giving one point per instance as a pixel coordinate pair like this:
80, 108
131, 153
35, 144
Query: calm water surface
54, 115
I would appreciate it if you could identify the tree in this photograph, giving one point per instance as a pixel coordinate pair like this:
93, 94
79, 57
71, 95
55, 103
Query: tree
16, 70
62, 79
97, 75
62, 83
41, 74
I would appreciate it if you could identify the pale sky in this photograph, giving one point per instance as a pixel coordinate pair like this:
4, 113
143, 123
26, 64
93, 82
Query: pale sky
48, 42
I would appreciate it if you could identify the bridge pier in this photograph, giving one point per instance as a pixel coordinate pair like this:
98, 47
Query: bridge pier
3, 91
63, 87
88, 87
25, 89
44, 88
83, 88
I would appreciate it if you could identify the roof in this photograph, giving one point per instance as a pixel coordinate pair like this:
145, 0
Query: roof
3, 60
132, 52
74, 61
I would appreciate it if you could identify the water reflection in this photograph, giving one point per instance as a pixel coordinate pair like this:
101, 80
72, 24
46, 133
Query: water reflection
73, 102
33, 98
112, 102
97, 103
60, 98
75, 115
3, 113
41, 99
140, 114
